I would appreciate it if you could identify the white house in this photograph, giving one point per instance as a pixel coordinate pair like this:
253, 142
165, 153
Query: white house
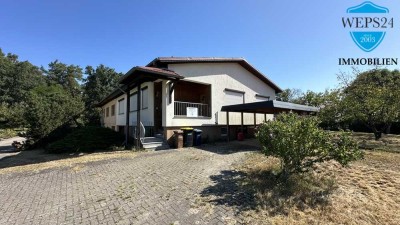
181, 92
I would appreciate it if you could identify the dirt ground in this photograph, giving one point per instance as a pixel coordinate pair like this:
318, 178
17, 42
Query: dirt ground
366, 192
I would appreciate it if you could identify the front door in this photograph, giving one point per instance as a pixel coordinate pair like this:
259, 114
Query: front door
158, 107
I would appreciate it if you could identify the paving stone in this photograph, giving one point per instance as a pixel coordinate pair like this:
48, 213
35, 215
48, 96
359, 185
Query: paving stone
160, 187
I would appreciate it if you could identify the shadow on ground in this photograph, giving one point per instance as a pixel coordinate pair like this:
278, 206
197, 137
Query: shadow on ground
223, 148
265, 190
22, 158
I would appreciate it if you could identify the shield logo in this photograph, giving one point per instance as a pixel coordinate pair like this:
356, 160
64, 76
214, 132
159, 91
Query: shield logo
367, 40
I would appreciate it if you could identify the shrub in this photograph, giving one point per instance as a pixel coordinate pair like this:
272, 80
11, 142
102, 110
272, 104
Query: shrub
299, 143
87, 139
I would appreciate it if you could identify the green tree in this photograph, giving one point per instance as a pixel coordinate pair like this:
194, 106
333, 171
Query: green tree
299, 143
98, 84
51, 107
68, 76
289, 95
17, 79
372, 98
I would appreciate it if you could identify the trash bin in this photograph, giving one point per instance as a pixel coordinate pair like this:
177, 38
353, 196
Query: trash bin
187, 136
178, 138
197, 137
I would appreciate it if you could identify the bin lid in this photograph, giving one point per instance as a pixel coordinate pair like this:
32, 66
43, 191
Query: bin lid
187, 128
198, 130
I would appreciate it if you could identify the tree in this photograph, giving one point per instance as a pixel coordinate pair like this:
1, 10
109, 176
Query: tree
98, 84
51, 106
17, 79
299, 143
289, 95
372, 98
68, 76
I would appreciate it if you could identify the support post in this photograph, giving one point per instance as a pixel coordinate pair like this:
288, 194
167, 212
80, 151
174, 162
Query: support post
241, 121
227, 126
127, 110
255, 120
265, 117
139, 107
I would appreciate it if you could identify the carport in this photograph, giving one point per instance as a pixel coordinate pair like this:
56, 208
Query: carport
265, 107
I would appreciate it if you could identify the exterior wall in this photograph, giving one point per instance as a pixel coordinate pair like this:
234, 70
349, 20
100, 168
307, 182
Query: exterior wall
109, 121
146, 115
220, 76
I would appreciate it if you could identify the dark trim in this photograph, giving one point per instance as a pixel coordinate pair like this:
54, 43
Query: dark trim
119, 102
164, 61
233, 90
271, 106
263, 96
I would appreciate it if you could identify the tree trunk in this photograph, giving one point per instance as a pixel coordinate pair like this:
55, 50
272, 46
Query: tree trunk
388, 129
377, 133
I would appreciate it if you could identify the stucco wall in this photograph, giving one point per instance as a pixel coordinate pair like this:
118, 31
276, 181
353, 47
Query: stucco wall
220, 76
146, 116
110, 120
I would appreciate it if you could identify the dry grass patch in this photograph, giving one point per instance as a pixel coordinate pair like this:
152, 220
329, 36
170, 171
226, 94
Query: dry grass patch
76, 163
367, 192
388, 142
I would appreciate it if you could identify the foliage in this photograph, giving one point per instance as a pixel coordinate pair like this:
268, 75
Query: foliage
289, 95
17, 79
299, 143
87, 139
372, 98
98, 84
65, 75
51, 107
7, 133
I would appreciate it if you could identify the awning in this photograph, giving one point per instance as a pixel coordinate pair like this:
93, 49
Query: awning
269, 107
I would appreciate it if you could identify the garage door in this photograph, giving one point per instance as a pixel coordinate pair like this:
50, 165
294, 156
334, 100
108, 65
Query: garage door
233, 97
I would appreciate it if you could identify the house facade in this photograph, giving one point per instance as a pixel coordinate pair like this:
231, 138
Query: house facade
177, 92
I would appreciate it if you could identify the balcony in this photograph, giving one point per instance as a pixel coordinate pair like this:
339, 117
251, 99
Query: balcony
191, 109
192, 99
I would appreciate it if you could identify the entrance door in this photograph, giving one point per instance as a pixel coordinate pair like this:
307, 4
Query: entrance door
157, 107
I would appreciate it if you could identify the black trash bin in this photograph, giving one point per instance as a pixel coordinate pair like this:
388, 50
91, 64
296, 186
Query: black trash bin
197, 137
187, 137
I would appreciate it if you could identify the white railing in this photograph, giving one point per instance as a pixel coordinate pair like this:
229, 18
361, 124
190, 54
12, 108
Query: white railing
191, 109
142, 133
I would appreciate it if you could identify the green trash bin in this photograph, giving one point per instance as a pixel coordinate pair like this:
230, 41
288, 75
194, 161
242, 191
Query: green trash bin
187, 136
197, 137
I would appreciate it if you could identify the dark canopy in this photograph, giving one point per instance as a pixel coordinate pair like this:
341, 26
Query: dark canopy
269, 107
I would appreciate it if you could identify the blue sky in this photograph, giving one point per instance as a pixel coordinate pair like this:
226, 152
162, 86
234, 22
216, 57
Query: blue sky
295, 43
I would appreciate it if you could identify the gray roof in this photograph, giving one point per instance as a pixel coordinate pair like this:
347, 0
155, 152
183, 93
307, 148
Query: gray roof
272, 106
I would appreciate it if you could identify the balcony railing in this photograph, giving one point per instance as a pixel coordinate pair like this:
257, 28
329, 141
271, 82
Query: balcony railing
190, 109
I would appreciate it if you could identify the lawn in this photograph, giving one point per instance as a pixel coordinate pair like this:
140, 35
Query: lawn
365, 192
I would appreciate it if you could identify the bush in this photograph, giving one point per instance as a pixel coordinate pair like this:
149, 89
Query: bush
51, 107
7, 133
299, 143
87, 139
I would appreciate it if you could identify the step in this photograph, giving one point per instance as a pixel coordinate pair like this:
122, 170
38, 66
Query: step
154, 143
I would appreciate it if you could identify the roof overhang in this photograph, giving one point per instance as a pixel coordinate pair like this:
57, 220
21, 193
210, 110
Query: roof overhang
269, 107
138, 75
164, 61
141, 74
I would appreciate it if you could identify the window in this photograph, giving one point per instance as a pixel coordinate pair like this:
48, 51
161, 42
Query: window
145, 98
107, 112
113, 110
133, 102
121, 106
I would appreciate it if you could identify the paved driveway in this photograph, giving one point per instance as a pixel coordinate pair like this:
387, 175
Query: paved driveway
164, 187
